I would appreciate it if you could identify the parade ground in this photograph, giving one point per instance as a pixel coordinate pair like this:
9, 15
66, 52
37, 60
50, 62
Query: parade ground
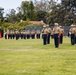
31, 57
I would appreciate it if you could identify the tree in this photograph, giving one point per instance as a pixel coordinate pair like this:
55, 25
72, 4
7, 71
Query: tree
7, 26
70, 6
1, 13
63, 13
42, 8
41, 15
11, 16
28, 10
25, 9
44, 5
31, 11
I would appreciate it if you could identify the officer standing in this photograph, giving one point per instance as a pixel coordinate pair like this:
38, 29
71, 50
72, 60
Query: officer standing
33, 34
13, 34
56, 31
21, 34
24, 34
44, 34
28, 34
72, 31
61, 34
38, 34
6, 35
17, 35
48, 34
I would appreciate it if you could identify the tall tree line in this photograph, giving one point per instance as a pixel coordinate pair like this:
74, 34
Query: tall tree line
47, 10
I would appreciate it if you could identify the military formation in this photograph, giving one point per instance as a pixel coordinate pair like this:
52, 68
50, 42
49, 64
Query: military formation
23, 34
56, 33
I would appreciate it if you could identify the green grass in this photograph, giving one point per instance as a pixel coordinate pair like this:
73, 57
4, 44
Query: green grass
31, 57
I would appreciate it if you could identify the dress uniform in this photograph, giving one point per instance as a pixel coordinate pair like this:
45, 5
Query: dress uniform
13, 34
33, 34
24, 34
72, 30
21, 34
61, 34
44, 34
38, 34
56, 31
6, 35
17, 35
48, 34
28, 34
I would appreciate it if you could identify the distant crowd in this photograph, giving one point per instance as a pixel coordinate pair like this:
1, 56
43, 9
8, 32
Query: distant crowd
23, 34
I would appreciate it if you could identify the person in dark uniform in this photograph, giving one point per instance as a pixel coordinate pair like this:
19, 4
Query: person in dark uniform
28, 34
61, 34
33, 34
44, 34
48, 34
13, 34
17, 35
56, 31
38, 34
6, 35
24, 34
72, 31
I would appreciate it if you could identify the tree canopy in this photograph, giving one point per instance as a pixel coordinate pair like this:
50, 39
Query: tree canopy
47, 10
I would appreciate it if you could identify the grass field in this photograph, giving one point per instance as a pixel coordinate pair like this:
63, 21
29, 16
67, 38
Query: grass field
31, 57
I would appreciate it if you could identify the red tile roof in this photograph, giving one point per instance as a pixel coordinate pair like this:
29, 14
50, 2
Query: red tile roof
37, 22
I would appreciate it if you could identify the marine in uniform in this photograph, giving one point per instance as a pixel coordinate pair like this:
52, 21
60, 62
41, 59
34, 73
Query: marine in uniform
44, 34
24, 34
38, 34
28, 34
33, 34
72, 31
13, 33
56, 31
17, 35
48, 34
6, 35
61, 34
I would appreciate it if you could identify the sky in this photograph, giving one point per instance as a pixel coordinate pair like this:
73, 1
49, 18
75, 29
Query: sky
11, 4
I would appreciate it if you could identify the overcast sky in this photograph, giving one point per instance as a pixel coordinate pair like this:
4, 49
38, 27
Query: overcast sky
11, 4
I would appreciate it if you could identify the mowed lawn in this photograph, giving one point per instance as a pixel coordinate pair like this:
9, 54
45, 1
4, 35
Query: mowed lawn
31, 57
